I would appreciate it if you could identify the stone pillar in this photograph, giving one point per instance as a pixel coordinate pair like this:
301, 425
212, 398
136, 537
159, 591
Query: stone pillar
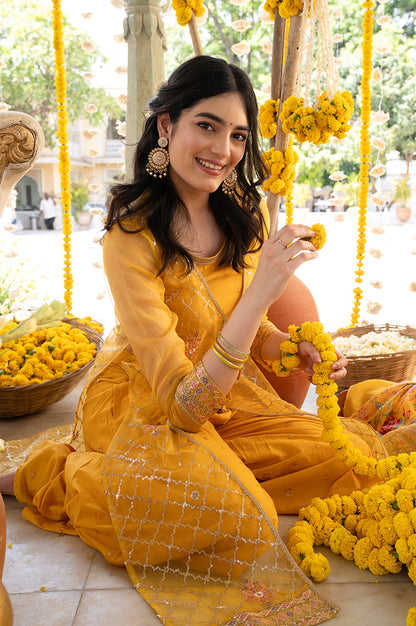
145, 36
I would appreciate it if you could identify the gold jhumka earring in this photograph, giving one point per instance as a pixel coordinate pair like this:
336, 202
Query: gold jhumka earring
229, 183
158, 159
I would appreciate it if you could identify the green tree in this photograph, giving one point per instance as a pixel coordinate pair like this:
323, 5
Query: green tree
28, 80
79, 195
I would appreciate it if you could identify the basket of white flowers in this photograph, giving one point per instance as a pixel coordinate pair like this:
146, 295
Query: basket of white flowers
385, 352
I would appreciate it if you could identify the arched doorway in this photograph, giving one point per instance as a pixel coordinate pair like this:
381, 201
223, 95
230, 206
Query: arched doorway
28, 193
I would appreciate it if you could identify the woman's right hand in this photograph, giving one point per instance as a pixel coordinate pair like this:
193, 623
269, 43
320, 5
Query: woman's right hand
280, 257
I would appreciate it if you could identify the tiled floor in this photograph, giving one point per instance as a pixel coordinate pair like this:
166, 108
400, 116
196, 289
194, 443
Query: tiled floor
56, 580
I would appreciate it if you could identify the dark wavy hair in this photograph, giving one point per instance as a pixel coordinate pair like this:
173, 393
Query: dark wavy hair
239, 216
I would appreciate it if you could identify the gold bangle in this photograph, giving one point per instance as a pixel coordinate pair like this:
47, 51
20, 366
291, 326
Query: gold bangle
225, 345
228, 356
222, 358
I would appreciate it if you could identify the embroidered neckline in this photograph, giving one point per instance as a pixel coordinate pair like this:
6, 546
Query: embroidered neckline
207, 260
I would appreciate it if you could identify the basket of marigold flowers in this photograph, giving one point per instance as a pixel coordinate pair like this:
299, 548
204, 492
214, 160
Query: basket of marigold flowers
43, 358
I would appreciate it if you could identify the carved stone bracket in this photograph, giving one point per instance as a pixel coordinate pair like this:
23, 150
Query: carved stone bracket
21, 142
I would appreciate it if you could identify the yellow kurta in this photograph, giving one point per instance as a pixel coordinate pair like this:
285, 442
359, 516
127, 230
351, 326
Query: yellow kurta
172, 478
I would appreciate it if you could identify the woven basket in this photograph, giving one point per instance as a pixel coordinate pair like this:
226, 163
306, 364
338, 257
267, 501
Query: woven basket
393, 367
17, 401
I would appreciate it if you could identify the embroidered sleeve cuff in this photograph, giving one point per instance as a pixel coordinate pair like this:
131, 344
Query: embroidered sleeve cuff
198, 396
266, 328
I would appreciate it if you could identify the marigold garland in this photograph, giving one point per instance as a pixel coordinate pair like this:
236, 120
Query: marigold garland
286, 8
318, 125
375, 528
64, 162
282, 166
365, 148
268, 118
185, 8
289, 203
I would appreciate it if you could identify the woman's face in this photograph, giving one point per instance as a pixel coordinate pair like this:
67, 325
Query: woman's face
206, 143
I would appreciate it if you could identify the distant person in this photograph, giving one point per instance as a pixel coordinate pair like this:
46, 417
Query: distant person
8, 219
48, 209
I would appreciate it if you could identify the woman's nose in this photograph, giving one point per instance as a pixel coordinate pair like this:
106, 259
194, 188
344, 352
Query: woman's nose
222, 145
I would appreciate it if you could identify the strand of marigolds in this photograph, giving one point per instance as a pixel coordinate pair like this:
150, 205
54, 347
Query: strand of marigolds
286, 8
64, 162
382, 518
185, 8
367, 43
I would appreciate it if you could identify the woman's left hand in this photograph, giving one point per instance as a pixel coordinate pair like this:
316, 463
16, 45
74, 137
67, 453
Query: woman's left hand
309, 355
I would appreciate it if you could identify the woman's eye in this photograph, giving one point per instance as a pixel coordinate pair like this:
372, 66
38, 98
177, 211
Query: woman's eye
240, 137
205, 125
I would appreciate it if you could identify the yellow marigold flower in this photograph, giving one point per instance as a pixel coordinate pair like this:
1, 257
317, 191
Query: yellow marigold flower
299, 537
347, 547
358, 497
20, 380
412, 573
412, 517
387, 531
405, 500
302, 526
389, 560
290, 361
362, 551
323, 530
329, 354
326, 388
301, 550
320, 505
319, 239
403, 551
402, 525
289, 346
411, 616
387, 468
336, 539
309, 513
411, 542
316, 567
374, 564
69, 356
350, 523
81, 362
268, 113
349, 507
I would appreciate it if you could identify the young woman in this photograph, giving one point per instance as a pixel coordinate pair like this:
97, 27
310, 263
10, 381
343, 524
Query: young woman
181, 452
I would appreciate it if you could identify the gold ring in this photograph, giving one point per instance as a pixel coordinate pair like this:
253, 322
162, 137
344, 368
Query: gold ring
282, 242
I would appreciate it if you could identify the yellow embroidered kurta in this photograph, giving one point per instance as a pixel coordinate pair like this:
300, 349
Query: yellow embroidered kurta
174, 479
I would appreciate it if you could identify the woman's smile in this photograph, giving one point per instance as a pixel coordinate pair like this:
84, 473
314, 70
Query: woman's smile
214, 169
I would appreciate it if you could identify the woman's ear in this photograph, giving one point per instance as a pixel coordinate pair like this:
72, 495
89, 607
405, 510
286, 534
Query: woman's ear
164, 125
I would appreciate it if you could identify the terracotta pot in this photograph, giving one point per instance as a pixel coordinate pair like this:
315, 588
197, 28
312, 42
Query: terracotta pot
403, 213
295, 306
84, 219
